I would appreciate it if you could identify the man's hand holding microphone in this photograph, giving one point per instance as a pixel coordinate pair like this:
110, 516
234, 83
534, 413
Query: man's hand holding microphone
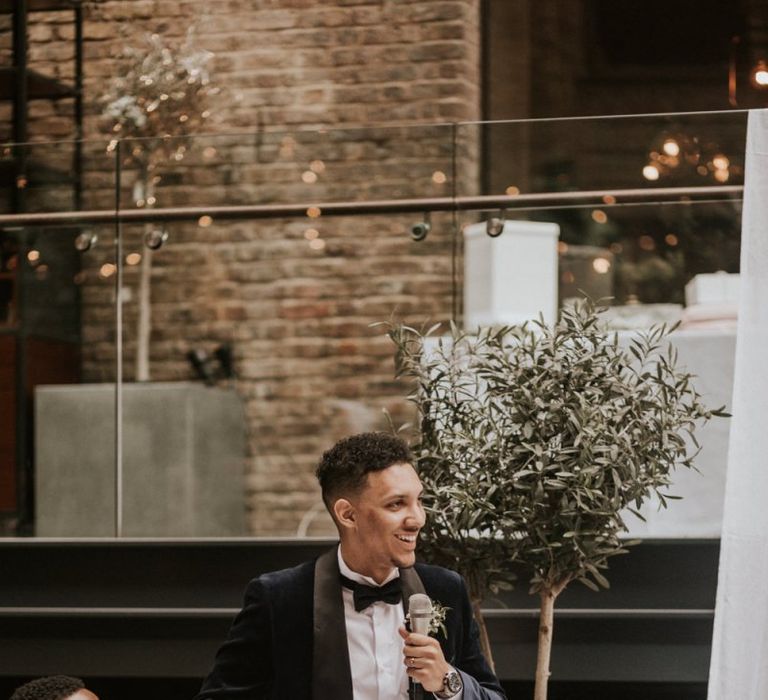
423, 655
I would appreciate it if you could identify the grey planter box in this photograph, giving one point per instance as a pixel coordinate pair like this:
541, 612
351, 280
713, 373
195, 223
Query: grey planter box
183, 467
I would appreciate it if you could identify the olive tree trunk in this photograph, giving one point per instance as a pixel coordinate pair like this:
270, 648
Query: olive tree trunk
548, 597
485, 643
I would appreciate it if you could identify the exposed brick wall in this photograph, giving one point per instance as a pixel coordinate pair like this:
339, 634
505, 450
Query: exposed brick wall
310, 369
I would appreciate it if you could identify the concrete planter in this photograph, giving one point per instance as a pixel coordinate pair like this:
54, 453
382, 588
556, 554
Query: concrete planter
184, 446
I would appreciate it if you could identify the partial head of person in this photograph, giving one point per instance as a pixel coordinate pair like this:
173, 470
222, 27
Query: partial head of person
53, 688
373, 494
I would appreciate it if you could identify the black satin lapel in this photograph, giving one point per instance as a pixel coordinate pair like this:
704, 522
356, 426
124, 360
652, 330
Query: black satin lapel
331, 675
411, 584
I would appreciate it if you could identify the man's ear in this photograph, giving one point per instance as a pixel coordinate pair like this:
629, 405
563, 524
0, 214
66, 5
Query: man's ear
345, 513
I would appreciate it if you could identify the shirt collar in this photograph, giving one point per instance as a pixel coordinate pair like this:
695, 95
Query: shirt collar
360, 578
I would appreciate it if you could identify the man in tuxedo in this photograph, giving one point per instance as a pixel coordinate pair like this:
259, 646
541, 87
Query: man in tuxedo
333, 628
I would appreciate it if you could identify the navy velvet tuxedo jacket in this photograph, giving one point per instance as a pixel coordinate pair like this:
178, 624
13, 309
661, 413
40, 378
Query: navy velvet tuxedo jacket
289, 640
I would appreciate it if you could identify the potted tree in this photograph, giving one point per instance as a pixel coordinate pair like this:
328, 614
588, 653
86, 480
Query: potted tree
533, 443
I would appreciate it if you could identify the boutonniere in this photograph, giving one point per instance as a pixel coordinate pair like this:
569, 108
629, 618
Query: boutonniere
437, 621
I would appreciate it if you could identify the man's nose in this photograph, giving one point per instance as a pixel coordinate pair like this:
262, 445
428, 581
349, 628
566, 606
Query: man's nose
416, 516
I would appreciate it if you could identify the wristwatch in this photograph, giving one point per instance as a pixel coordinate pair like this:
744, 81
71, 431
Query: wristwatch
452, 685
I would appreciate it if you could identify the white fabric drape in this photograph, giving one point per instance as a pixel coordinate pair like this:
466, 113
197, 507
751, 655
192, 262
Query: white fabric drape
739, 664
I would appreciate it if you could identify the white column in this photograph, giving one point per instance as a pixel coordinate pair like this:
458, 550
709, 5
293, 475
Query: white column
739, 665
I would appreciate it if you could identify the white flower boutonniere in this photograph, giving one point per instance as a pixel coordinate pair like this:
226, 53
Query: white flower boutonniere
437, 621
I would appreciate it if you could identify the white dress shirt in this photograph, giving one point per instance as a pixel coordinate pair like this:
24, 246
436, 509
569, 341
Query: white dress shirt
375, 646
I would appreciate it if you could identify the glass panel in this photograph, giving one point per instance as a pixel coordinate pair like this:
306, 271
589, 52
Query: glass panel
57, 330
643, 213
288, 167
41, 177
258, 350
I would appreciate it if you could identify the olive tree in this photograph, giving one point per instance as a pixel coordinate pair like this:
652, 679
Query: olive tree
535, 441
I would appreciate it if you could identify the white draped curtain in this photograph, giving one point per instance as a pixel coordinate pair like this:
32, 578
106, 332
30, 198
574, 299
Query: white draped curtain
739, 665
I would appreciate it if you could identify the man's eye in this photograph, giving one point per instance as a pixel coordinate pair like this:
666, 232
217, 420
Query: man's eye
395, 504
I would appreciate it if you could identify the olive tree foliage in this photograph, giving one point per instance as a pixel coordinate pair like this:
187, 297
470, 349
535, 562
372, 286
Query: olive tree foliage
535, 441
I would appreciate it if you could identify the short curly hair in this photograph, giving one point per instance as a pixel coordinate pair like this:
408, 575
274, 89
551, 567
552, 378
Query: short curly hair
48, 688
343, 469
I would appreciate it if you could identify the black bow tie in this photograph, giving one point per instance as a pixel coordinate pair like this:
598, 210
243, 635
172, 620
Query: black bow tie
364, 596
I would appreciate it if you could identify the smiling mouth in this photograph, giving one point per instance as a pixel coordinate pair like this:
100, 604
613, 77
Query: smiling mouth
407, 538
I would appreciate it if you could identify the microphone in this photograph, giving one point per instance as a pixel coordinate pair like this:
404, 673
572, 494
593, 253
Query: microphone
419, 615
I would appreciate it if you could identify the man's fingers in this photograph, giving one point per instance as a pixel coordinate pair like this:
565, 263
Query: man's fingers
426, 650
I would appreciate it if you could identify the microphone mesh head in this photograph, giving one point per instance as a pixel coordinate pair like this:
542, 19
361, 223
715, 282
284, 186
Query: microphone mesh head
419, 604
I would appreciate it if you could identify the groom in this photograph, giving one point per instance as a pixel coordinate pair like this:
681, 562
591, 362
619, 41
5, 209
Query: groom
333, 628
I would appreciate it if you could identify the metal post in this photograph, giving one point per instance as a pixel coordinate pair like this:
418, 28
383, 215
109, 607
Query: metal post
118, 351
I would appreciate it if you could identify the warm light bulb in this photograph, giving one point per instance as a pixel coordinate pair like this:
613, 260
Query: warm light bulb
671, 147
438, 177
760, 75
651, 172
601, 265
720, 162
646, 242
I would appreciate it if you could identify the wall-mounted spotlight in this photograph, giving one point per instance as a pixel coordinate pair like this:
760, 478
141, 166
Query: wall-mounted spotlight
155, 238
85, 241
494, 227
210, 369
420, 230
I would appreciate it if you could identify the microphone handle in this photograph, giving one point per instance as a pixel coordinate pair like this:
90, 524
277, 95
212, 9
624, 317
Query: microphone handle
415, 691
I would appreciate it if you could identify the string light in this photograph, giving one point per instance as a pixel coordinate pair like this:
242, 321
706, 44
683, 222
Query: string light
651, 172
646, 243
671, 147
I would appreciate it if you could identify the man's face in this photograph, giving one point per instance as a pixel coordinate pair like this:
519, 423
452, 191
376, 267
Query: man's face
388, 517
